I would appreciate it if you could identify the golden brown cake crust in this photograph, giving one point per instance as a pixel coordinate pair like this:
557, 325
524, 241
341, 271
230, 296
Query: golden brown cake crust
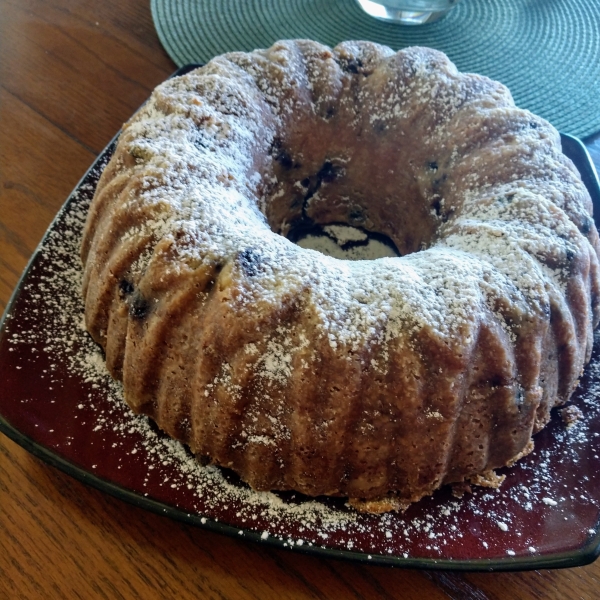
377, 380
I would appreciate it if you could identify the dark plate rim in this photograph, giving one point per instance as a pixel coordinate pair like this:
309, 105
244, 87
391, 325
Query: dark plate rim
578, 153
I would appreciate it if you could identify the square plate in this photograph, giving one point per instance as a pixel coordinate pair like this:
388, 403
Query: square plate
58, 402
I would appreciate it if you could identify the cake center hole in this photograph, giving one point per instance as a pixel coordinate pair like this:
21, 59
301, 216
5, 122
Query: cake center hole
333, 199
344, 241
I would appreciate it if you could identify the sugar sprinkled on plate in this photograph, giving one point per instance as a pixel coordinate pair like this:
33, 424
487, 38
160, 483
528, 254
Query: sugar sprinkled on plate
269, 515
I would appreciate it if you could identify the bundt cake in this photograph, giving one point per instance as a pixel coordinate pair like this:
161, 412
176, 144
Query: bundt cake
376, 380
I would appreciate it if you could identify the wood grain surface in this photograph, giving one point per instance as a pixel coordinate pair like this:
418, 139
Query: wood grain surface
71, 72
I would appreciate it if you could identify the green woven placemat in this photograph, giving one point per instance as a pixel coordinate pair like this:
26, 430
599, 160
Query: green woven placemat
546, 51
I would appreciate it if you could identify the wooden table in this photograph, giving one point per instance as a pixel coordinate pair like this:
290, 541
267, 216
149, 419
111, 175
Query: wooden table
70, 73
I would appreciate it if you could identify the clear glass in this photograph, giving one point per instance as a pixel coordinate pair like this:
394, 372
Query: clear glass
408, 12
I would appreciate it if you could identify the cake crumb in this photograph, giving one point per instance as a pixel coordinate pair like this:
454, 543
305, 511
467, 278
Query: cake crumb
570, 415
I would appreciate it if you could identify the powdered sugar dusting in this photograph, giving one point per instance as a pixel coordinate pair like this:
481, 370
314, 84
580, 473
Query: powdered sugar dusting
187, 176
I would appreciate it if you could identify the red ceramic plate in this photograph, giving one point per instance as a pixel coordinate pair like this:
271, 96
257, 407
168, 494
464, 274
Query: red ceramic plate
58, 402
